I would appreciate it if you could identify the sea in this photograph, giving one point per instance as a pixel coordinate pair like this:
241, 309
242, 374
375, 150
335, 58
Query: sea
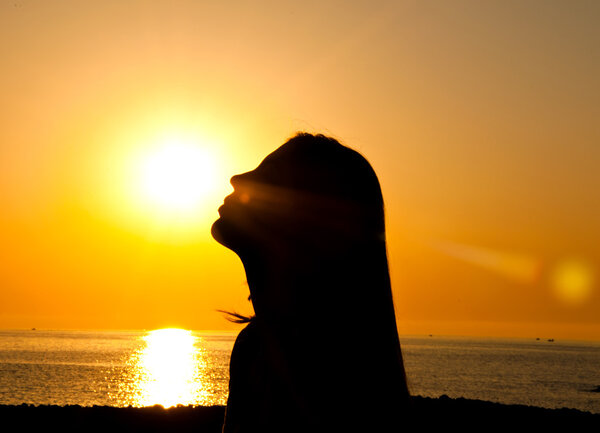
172, 367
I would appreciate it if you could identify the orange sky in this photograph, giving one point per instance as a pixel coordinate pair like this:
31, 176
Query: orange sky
479, 117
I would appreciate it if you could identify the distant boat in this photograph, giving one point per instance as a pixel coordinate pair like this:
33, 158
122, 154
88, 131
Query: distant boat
537, 339
551, 340
33, 329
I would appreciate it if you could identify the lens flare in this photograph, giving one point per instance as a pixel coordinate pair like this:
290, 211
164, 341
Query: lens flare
572, 281
519, 267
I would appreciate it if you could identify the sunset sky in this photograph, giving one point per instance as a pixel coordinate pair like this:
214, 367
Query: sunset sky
480, 118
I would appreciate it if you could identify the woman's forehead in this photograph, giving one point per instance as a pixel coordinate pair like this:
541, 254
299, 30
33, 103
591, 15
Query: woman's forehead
274, 163
280, 154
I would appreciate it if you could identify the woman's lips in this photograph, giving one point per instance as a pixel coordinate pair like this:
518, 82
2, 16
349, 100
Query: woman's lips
229, 202
224, 207
226, 204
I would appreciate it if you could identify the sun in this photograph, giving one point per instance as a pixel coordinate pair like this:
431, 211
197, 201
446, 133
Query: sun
176, 175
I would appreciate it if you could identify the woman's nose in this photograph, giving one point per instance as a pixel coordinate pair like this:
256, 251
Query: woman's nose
240, 186
242, 180
235, 180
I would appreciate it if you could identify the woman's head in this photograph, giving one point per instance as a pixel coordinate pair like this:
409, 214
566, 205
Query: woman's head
310, 193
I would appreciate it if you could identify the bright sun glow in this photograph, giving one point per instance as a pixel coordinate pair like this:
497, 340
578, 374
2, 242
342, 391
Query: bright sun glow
170, 367
169, 370
177, 175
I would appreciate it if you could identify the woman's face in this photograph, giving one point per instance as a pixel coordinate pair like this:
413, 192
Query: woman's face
292, 199
259, 203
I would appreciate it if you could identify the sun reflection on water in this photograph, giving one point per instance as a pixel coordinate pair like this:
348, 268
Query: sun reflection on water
168, 370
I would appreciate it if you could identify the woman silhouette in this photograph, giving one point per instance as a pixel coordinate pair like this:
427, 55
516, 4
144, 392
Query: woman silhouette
322, 352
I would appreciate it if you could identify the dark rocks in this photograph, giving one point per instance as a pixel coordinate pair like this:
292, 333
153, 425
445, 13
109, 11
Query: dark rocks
74, 418
423, 414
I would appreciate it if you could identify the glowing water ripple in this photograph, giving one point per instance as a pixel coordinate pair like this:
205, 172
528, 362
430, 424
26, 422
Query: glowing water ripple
170, 369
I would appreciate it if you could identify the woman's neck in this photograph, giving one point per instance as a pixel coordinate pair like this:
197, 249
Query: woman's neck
272, 283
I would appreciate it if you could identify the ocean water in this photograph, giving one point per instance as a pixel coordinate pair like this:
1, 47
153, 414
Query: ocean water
171, 367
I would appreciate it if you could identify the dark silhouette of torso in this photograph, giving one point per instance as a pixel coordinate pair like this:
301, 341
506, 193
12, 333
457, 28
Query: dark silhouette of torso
307, 381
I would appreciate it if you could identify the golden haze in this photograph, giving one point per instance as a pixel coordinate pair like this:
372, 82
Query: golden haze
480, 119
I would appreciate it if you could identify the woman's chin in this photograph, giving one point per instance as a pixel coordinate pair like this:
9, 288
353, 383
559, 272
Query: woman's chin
225, 234
217, 232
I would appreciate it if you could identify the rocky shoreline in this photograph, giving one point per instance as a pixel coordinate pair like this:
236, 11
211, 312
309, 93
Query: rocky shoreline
425, 414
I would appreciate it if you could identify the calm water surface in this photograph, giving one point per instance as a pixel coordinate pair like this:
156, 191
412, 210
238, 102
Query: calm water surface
171, 367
